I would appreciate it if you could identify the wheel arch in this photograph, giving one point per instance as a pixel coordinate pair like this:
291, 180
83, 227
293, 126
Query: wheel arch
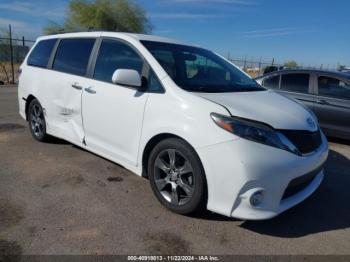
29, 99
152, 143
149, 147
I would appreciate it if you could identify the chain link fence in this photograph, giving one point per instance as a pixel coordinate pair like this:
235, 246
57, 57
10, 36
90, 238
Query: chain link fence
257, 67
12, 52
254, 67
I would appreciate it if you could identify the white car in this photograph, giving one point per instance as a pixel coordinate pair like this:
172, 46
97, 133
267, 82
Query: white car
204, 133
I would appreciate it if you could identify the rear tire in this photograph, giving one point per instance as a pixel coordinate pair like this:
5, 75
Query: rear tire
36, 120
177, 177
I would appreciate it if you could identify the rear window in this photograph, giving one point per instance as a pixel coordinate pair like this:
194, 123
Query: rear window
41, 53
332, 87
271, 82
295, 83
73, 55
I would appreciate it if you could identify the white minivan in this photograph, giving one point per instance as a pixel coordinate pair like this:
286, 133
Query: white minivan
202, 131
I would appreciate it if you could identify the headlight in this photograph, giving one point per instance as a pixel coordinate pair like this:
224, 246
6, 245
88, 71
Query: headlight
254, 131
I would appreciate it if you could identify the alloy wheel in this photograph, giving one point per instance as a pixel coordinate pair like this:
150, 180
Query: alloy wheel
174, 177
37, 120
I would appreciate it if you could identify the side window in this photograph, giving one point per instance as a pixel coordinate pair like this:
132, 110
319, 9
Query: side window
73, 55
295, 83
329, 86
41, 53
114, 55
271, 82
153, 83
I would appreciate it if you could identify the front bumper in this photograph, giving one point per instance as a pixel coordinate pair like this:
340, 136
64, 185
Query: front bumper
238, 168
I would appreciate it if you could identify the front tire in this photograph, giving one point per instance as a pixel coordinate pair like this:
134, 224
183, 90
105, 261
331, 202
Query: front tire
177, 177
36, 120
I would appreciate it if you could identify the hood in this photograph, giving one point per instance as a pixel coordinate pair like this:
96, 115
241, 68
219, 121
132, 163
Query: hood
265, 106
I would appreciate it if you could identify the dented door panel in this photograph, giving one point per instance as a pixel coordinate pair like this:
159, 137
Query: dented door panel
64, 115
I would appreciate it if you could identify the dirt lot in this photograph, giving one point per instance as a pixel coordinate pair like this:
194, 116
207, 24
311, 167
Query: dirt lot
57, 199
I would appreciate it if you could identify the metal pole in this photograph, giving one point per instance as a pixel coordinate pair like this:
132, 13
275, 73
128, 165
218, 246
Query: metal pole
11, 55
23, 42
260, 66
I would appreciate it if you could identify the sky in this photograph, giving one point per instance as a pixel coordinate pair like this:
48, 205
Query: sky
311, 32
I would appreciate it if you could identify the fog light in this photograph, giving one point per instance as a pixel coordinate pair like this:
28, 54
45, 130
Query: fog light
257, 198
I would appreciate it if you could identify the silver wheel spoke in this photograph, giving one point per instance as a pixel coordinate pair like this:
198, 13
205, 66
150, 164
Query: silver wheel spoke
174, 196
161, 183
188, 190
186, 168
171, 153
40, 121
36, 113
162, 165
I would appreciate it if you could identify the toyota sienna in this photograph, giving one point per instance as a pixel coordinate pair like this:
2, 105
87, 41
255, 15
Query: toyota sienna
203, 132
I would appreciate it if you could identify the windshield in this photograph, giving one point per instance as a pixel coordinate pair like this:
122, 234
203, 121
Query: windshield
199, 70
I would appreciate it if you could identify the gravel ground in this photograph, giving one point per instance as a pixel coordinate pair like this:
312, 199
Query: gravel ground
56, 198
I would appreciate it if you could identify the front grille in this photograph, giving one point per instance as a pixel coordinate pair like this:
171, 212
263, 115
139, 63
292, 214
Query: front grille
299, 183
305, 141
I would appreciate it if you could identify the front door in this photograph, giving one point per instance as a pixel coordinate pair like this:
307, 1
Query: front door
332, 106
113, 114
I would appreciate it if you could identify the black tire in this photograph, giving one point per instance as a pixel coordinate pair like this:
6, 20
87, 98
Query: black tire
190, 187
36, 120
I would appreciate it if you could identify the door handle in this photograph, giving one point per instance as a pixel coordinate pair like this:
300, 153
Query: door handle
322, 102
90, 90
77, 86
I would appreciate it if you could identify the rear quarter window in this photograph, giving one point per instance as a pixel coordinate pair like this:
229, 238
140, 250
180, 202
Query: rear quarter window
41, 53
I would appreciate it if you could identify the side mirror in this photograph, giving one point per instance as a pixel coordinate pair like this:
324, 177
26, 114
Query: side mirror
127, 77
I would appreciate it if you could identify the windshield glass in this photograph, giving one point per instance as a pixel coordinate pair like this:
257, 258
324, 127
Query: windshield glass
198, 70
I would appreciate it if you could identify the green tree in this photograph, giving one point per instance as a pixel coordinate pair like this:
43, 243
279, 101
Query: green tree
291, 64
108, 15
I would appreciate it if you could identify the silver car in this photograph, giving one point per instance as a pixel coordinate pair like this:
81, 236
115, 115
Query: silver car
326, 93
